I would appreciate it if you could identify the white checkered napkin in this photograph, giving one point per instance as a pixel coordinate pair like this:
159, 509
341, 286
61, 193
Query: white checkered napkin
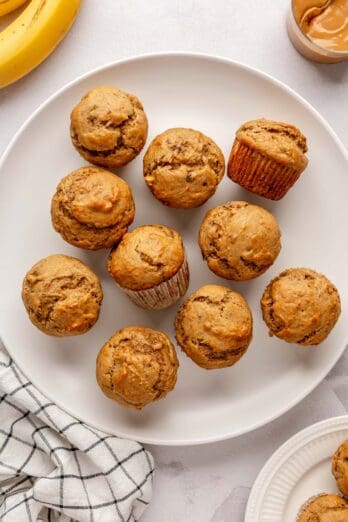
55, 468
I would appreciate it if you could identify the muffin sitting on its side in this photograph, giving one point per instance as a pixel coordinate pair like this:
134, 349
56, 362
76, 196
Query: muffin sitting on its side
239, 241
62, 296
183, 167
150, 266
267, 157
340, 468
108, 127
92, 208
214, 327
324, 508
301, 306
137, 366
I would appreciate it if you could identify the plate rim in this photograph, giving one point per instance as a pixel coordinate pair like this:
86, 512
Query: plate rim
210, 58
284, 452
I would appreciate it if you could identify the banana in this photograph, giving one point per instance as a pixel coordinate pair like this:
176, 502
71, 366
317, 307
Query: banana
7, 6
26, 42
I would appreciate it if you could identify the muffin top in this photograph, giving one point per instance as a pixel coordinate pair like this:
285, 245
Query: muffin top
281, 141
136, 366
214, 326
92, 208
340, 467
182, 167
239, 240
108, 126
324, 508
300, 306
62, 296
146, 257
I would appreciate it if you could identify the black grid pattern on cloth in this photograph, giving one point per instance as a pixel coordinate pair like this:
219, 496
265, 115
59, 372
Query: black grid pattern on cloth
56, 468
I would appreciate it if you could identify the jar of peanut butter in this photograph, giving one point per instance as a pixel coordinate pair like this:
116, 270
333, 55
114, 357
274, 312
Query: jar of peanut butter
319, 29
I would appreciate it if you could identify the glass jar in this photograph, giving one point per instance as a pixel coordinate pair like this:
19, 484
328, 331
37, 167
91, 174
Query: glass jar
307, 47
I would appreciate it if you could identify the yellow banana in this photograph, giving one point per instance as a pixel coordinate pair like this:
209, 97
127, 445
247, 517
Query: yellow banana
26, 42
7, 6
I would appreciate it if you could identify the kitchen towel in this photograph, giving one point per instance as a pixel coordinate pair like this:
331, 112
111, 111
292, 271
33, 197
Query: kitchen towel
55, 468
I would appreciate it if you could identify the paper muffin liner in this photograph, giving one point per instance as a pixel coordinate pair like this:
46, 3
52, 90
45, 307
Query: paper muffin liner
163, 295
260, 174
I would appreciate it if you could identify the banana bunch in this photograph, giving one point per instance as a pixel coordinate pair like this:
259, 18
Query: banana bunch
27, 41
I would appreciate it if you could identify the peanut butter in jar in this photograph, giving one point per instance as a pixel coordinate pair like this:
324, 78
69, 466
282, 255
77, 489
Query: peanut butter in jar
319, 29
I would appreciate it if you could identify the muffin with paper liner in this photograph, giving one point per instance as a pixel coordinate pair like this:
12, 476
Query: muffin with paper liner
150, 266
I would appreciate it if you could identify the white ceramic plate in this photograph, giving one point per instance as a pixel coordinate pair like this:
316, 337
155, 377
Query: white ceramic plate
215, 96
297, 471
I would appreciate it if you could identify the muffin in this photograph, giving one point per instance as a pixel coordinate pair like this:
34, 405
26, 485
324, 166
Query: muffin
324, 508
62, 296
267, 157
340, 468
239, 241
108, 127
300, 306
92, 208
150, 266
137, 366
214, 327
183, 167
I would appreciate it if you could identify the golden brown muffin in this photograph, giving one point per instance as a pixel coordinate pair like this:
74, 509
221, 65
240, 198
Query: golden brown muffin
300, 306
92, 208
324, 508
340, 468
62, 296
183, 167
150, 266
239, 241
108, 127
137, 366
214, 327
267, 157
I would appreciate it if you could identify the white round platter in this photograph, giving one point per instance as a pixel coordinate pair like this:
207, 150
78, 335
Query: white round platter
213, 95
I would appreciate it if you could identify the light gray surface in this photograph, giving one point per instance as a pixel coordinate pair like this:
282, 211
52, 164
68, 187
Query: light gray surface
206, 483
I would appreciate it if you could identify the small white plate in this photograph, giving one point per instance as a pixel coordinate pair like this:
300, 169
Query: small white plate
297, 471
215, 96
